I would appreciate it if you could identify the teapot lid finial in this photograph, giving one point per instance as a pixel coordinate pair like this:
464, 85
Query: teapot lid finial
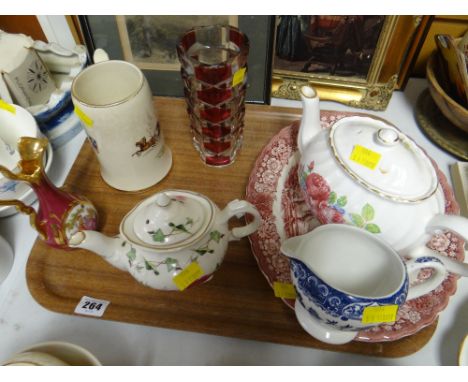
162, 199
170, 220
387, 136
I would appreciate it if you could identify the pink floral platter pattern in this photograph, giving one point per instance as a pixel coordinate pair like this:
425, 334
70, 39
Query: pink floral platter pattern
273, 188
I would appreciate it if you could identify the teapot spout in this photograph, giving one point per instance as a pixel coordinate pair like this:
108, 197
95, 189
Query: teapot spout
310, 122
104, 246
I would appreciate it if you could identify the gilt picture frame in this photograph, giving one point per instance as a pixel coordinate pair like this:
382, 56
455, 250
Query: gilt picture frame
340, 57
111, 33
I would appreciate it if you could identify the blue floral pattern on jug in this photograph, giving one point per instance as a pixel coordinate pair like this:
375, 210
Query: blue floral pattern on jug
332, 306
427, 259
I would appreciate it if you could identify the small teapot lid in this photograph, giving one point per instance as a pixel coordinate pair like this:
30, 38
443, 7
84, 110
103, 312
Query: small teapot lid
382, 159
172, 219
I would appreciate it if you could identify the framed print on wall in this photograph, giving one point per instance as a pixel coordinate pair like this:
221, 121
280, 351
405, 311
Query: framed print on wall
150, 43
355, 60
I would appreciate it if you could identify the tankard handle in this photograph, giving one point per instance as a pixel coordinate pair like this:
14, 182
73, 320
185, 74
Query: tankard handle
100, 55
239, 208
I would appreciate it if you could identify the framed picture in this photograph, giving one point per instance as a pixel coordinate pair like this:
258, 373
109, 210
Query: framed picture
355, 60
150, 43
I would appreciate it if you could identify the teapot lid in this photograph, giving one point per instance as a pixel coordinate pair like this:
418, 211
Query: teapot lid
382, 159
171, 219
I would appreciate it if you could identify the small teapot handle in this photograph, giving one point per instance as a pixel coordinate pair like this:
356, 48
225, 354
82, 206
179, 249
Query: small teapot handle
239, 208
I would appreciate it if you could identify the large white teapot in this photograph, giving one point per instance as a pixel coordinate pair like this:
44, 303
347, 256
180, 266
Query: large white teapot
168, 233
367, 173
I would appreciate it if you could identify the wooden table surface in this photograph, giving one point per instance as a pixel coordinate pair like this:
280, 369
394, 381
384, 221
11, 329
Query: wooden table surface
237, 302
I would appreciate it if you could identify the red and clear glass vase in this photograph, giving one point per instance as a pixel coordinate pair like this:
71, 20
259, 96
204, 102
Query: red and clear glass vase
214, 72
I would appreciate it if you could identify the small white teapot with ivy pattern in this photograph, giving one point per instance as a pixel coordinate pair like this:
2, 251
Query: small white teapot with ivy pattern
171, 240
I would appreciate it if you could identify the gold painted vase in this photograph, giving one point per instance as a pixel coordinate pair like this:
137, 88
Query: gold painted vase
60, 214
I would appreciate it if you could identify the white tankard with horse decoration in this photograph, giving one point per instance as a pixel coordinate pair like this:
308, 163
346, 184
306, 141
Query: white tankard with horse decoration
115, 104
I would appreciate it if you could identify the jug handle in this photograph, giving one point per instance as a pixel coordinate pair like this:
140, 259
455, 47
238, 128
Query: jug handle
429, 284
454, 266
239, 208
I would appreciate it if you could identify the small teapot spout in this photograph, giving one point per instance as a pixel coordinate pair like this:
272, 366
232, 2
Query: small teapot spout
105, 246
310, 122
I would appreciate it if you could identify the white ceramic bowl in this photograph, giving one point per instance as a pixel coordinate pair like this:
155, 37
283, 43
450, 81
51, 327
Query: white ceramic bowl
15, 122
69, 353
6, 259
9, 157
20, 190
34, 358
14, 125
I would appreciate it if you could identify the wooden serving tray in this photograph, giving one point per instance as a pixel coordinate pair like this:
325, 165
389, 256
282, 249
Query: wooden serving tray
237, 302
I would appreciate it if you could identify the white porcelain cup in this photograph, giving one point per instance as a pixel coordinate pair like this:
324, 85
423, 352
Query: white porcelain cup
53, 353
115, 104
15, 122
34, 358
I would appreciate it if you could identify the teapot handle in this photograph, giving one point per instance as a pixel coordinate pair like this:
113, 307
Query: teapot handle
457, 224
239, 208
454, 223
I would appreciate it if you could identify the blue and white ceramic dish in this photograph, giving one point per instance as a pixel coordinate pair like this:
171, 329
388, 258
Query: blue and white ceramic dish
56, 118
59, 123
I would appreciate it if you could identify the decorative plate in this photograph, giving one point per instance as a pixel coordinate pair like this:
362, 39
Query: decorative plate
273, 188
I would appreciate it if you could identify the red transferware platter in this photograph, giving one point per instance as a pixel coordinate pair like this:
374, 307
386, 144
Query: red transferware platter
273, 188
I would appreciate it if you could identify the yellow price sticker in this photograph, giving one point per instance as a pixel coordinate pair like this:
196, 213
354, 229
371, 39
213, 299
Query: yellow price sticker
238, 77
84, 118
284, 290
190, 274
365, 157
379, 314
7, 106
